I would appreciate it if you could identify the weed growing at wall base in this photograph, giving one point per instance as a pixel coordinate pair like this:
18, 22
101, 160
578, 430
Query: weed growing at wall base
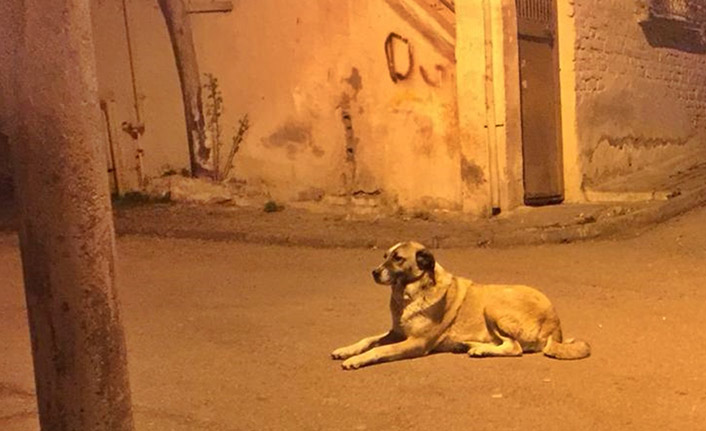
214, 112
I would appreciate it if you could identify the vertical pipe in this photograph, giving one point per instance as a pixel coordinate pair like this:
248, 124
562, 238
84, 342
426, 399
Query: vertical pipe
111, 147
66, 227
139, 153
490, 110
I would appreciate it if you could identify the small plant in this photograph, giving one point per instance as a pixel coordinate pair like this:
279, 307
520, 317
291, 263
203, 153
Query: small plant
235, 145
214, 111
272, 206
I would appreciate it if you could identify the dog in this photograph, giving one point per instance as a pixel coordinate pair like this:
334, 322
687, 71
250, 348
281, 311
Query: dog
435, 311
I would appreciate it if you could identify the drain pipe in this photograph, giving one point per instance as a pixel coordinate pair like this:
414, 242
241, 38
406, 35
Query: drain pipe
490, 110
134, 130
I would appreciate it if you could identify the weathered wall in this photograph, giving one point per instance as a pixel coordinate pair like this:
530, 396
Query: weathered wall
508, 118
9, 19
6, 183
158, 98
325, 113
327, 119
114, 82
471, 70
326, 116
637, 105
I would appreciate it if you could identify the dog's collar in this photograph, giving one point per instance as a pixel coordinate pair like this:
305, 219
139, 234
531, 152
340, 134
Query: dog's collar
416, 279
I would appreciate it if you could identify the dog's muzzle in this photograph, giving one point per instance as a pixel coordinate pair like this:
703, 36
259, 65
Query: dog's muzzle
379, 276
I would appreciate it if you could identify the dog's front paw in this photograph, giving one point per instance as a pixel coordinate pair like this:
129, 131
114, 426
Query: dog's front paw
476, 350
342, 353
352, 363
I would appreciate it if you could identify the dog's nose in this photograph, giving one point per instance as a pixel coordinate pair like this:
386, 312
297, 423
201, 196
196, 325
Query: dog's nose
376, 274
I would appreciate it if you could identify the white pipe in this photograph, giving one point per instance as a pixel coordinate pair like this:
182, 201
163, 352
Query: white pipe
490, 110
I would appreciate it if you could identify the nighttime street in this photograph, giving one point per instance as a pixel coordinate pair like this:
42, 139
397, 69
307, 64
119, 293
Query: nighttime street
221, 215
230, 336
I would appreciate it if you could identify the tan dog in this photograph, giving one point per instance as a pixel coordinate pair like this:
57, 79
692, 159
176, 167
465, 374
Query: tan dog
435, 311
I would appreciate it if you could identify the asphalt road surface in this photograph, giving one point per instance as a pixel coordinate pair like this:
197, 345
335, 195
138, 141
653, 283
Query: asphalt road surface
228, 336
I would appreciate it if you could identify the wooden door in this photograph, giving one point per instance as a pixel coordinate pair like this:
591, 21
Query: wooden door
539, 93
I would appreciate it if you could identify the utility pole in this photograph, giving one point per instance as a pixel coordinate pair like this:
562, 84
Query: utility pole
66, 233
178, 23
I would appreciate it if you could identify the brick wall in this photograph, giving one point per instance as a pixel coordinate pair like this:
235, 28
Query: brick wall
641, 91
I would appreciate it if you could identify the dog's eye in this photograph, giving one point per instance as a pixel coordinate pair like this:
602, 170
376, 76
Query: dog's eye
398, 258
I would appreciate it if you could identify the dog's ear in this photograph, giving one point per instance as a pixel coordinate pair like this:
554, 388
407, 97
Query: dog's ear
425, 260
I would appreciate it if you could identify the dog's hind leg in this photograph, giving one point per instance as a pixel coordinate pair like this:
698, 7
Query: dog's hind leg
365, 344
507, 346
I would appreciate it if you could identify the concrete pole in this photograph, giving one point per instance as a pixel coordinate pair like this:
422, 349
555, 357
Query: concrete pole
178, 23
66, 233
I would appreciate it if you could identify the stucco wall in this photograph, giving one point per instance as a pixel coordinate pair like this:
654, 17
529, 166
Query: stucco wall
326, 116
158, 94
114, 82
298, 69
638, 105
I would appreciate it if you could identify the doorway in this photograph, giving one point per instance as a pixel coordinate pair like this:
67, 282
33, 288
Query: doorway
540, 102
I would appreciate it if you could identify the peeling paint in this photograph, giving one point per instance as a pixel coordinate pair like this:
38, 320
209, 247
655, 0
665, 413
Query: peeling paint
294, 137
632, 141
426, 202
425, 128
355, 81
291, 132
619, 156
314, 194
351, 140
471, 173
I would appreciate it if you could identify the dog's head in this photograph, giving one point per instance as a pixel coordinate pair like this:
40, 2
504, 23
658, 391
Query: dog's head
405, 263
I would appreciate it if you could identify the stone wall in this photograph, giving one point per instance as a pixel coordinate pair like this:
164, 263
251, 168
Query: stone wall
641, 92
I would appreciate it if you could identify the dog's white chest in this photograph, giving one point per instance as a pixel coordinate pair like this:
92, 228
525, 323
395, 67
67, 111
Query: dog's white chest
418, 309
411, 292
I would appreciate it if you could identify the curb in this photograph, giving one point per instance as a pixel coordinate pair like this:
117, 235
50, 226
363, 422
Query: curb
371, 234
435, 234
619, 227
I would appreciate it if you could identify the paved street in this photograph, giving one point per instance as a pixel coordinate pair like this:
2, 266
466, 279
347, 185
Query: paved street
231, 336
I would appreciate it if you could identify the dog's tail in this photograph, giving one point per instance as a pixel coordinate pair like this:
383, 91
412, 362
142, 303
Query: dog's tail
569, 349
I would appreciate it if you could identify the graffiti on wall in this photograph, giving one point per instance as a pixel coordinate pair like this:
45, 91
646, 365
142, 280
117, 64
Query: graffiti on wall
400, 62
